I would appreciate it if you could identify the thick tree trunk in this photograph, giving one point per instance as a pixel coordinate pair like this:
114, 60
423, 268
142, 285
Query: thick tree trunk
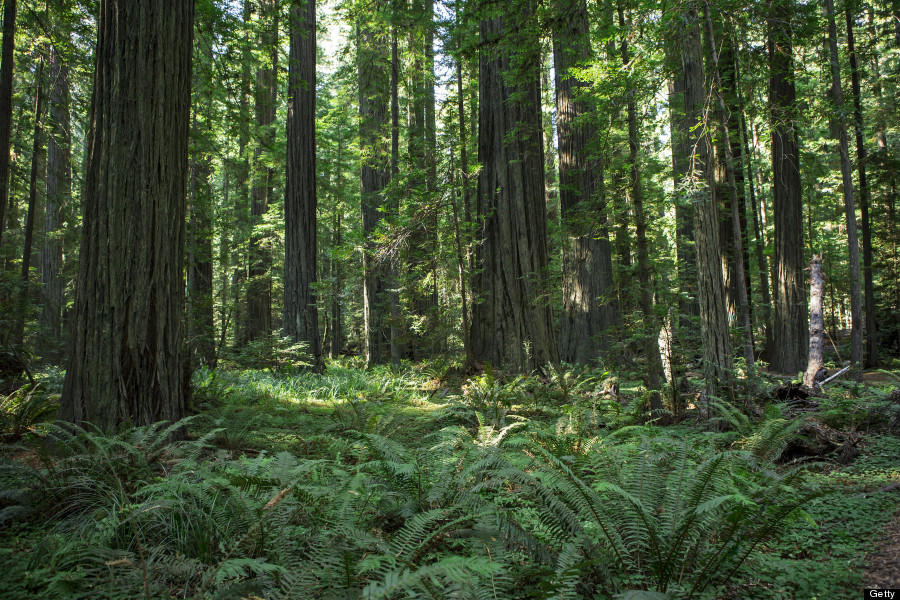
6, 73
789, 327
258, 319
126, 363
865, 199
59, 193
301, 315
373, 62
589, 306
512, 326
737, 231
837, 95
816, 322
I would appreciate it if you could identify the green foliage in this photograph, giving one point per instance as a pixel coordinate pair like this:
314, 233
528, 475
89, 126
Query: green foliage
27, 410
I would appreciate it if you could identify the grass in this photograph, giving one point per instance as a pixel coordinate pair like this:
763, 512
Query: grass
390, 463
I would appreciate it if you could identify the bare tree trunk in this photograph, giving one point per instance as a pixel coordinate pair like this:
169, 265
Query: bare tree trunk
512, 325
126, 364
865, 199
589, 307
6, 73
788, 352
816, 322
849, 205
301, 313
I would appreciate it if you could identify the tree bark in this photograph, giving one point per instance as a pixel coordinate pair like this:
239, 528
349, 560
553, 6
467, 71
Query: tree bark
301, 315
837, 95
258, 320
789, 327
589, 306
512, 326
6, 73
372, 62
816, 322
59, 194
865, 199
126, 363
737, 230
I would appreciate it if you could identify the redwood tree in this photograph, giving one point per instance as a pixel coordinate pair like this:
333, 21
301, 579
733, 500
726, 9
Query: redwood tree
512, 323
301, 315
126, 361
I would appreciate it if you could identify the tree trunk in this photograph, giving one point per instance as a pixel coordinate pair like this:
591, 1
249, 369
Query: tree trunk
126, 363
816, 322
837, 95
512, 326
789, 327
650, 324
374, 96
59, 193
301, 314
6, 73
865, 199
737, 230
258, 320
589, 307
36, 149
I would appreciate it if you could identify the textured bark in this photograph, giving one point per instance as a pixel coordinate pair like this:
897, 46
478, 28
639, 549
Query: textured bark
6, 73
865, 199
36, 151
789, 327
693, 133
816, 322
301, 315
837, 95
736, 229
589, 304
126, 362
258, 318
58, 197
512, 325
373, 63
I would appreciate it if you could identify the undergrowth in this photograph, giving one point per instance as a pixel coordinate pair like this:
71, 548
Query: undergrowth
369, 485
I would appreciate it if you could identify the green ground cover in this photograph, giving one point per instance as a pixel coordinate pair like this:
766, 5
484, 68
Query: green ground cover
422, 482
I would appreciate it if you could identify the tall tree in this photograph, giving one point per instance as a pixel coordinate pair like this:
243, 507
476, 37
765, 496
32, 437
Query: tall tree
258, 319
865, 196
36, 151
372, 64
789, 323
301, 315
512, 323
58, 197
694, 147
6, 73
837, 95
589, 306
126, 362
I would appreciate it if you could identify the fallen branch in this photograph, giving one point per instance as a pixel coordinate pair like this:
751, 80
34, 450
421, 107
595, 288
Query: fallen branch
842, 371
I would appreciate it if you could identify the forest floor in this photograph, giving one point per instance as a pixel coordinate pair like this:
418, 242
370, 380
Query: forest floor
848, 538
